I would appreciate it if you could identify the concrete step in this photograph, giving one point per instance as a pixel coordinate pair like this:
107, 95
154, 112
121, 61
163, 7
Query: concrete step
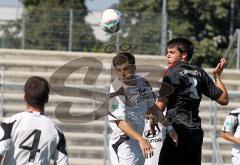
86, 161
210, 163
52, 98
78, 77
207, 155
86, 151
75, 78
84, 138
43, 64
228, 74
49, 110
224, 144
64, 55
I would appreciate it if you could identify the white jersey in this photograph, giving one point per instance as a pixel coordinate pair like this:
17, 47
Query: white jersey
31, 139
155, 138
232, 126
128, 103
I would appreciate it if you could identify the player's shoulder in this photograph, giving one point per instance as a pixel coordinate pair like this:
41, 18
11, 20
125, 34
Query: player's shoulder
116, 87
142, 81
235, 112
173, 70
52, 125
15, 117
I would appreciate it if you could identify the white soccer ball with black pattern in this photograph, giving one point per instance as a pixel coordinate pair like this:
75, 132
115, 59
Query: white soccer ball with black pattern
110, 20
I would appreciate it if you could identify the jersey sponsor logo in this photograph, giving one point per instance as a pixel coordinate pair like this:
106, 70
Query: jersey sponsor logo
141, 91
149, 134
155, 140
229, 124
115, 106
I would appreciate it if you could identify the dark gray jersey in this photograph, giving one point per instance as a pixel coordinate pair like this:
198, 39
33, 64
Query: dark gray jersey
189, 83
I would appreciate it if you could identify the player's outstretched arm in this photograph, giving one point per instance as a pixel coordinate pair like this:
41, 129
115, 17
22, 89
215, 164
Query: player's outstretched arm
228, 136
157, 111
146, 147
223, 99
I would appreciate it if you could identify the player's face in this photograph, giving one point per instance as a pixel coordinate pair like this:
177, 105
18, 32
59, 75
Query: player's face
173, 56
125, 73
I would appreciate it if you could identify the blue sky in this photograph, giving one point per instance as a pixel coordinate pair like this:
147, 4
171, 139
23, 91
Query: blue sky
92, 4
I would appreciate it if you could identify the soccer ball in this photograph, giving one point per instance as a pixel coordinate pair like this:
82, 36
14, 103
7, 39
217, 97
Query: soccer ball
109, 20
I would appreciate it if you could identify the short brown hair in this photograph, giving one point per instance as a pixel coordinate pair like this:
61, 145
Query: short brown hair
36, 91
122, 58
183, 45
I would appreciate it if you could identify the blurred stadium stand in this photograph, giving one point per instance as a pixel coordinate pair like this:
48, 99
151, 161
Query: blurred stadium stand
86, 140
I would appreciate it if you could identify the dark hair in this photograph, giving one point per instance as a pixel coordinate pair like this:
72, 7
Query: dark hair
36, 91
122, 58
183, 45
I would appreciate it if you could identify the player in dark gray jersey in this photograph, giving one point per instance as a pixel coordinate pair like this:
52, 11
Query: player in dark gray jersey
30, 137
189, 83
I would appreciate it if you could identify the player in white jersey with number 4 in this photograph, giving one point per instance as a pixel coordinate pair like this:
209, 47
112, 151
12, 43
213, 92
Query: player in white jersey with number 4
29, 137
231, 132
131, 98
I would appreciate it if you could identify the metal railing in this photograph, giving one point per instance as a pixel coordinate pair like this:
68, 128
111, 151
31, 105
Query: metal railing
106, 142
76, 30
230, 54
2, 90
216, 156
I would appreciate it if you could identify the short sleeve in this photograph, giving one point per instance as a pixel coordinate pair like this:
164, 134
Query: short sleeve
117, 108
60, 156
169, 83
230, 124
5, 135
209, 87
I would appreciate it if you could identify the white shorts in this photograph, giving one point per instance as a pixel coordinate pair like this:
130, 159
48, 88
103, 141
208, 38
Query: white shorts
235, 161
125, 151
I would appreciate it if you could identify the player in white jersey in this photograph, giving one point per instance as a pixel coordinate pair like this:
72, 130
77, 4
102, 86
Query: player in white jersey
29, 137
231, 132
130, 98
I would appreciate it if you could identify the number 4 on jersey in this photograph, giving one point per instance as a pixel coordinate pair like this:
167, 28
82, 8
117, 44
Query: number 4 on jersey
34, 148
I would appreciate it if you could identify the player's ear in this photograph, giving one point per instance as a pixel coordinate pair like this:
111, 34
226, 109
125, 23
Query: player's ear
115, 72
184, 56
134, 67
25, 97
47, 99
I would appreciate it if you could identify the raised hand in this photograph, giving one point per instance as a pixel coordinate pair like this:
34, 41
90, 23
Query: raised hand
219, 68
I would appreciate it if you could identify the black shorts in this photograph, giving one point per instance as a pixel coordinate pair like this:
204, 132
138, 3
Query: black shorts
188, 151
